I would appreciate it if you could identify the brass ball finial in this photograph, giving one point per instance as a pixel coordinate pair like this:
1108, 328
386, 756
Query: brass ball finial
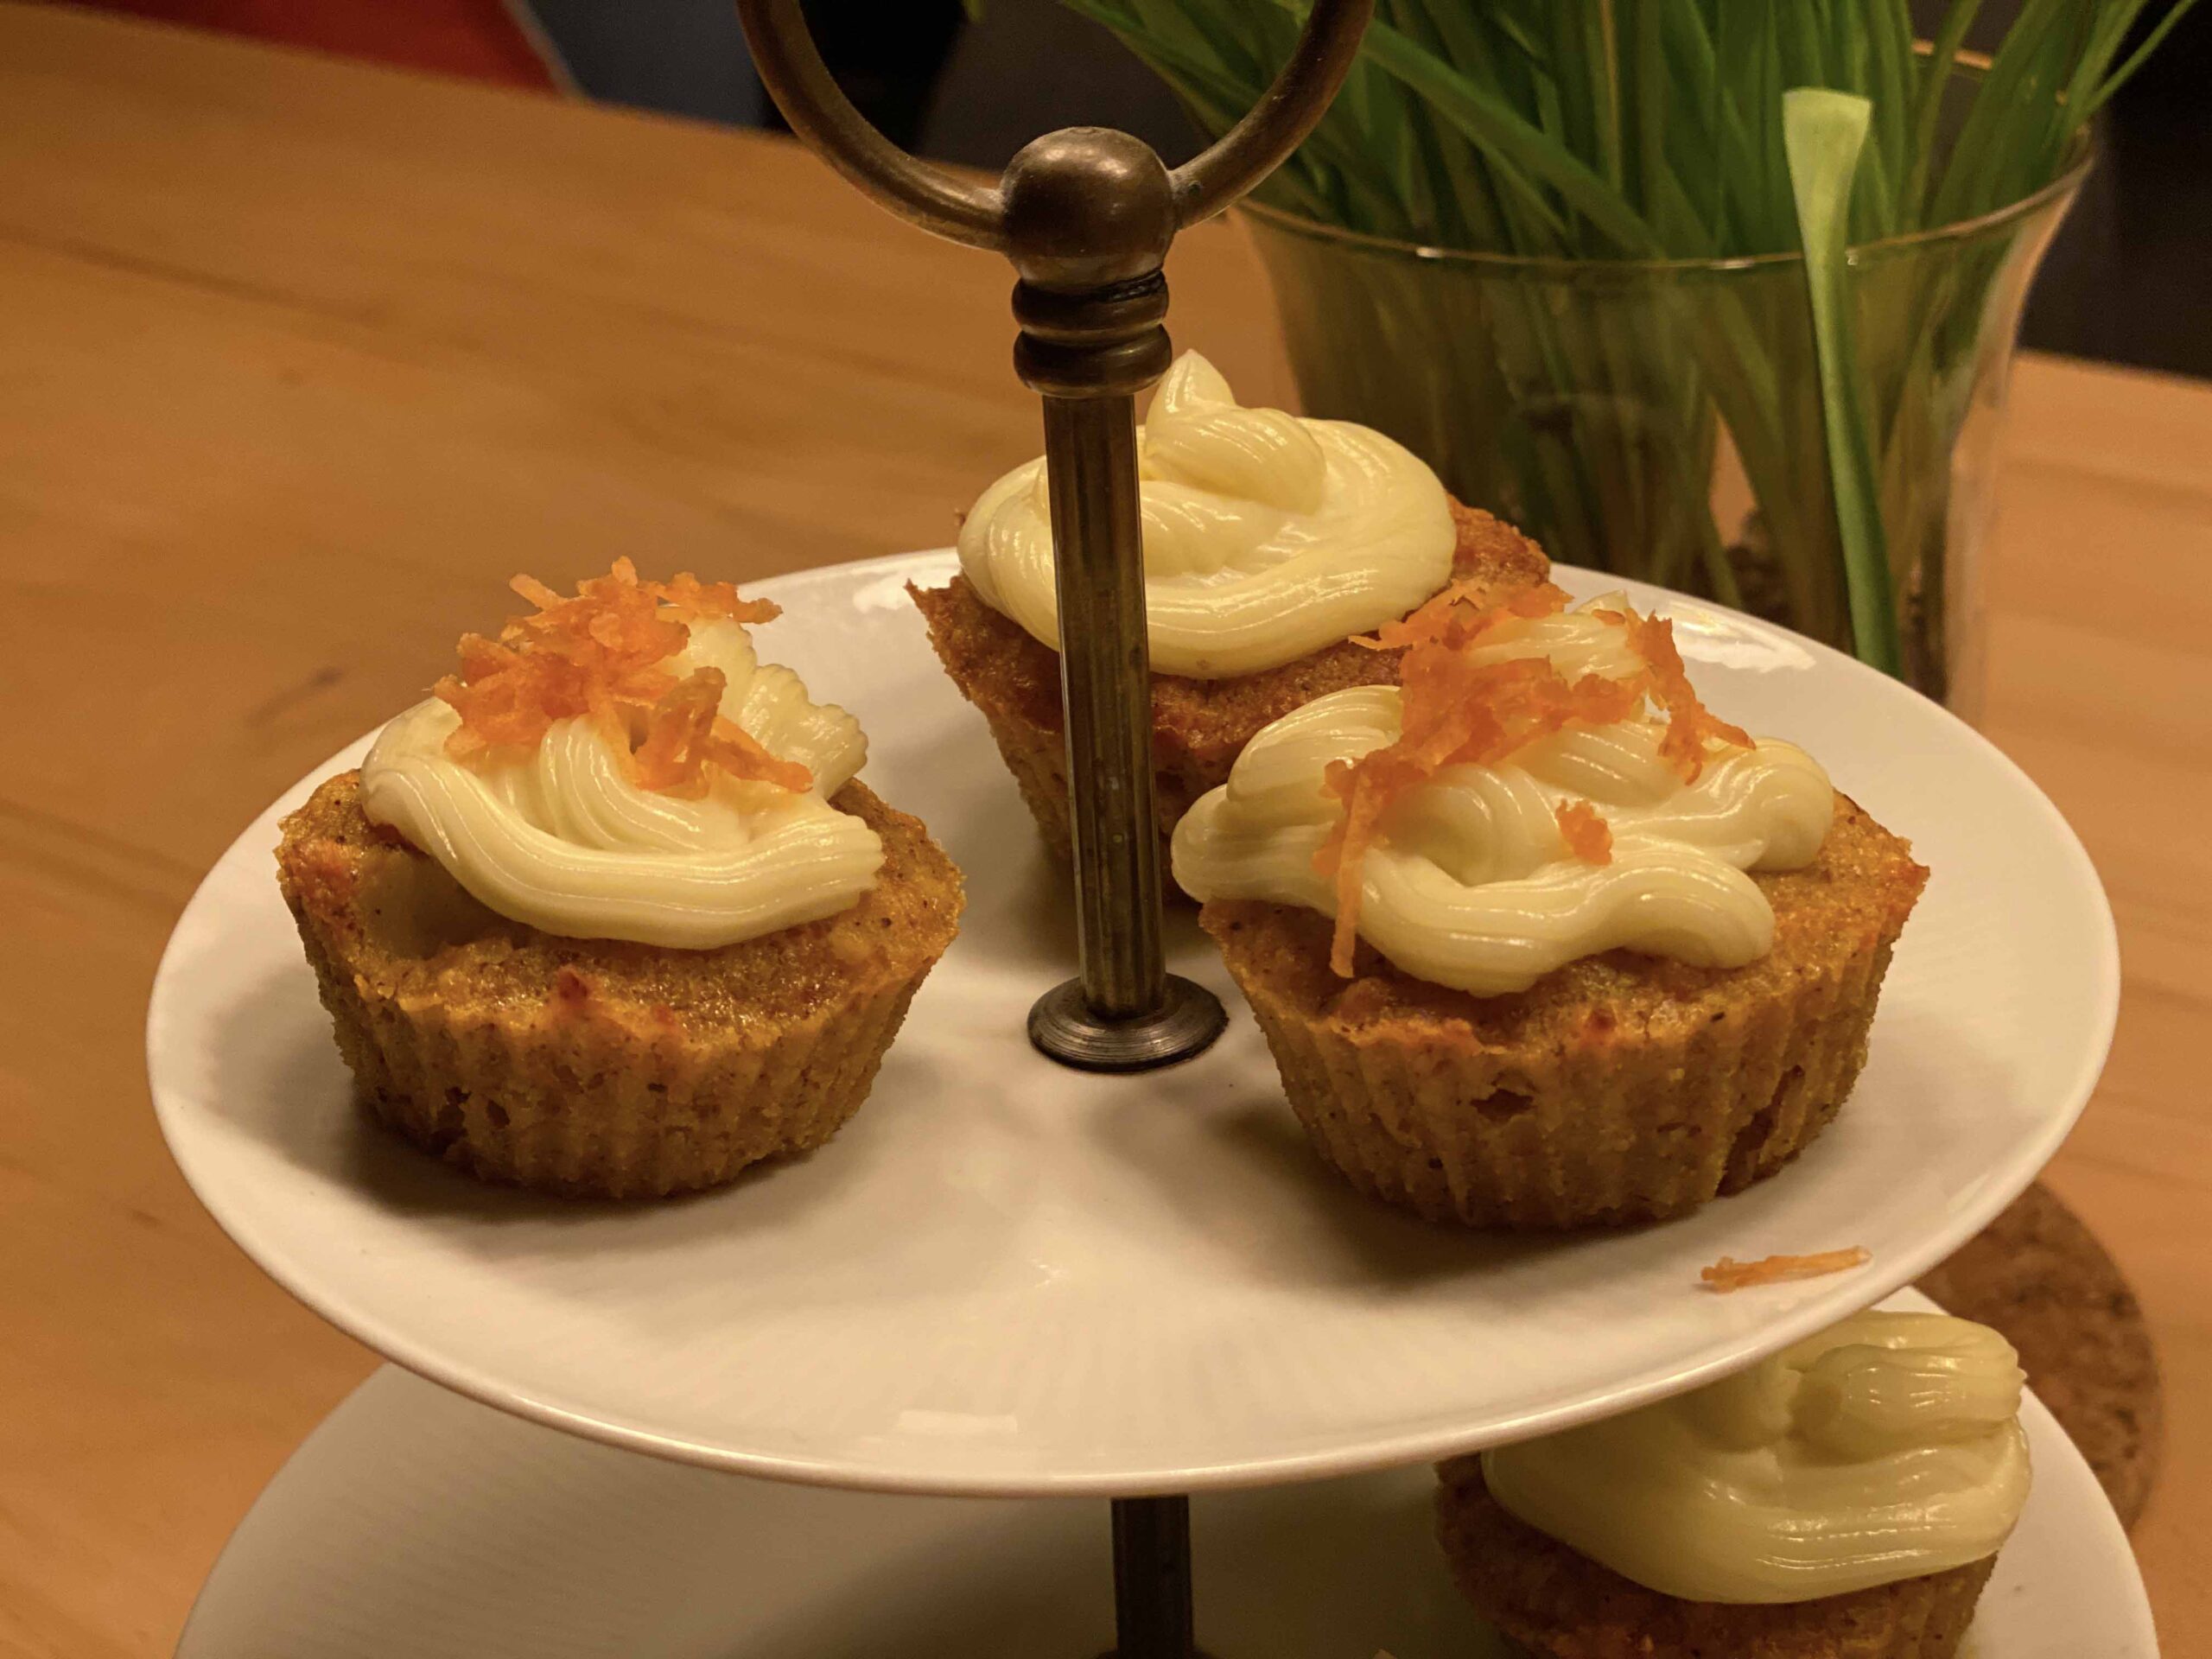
1087, 208
1088, 213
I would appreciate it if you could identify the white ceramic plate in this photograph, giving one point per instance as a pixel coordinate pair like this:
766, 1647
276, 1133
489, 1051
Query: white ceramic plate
1007, 1277
415, 1525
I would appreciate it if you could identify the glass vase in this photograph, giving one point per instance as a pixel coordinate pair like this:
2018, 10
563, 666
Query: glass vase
1662, 419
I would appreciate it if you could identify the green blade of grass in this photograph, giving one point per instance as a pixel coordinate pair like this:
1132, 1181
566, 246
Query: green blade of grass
1646, 77
1606, 50
2011, 134
1887, 66
1942, 58
1523, 156
1823, 133
2118, 77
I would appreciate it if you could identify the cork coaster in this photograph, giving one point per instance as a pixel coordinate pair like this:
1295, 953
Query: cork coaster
2038, 1274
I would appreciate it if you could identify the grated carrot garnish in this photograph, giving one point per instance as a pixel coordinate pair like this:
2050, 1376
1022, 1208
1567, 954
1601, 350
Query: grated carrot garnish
1728, 1273
1689, 723
1457, 711
1589, 837
684, 733
603, 653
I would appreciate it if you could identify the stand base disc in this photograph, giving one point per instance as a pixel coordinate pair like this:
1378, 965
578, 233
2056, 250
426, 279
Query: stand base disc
1062, 1026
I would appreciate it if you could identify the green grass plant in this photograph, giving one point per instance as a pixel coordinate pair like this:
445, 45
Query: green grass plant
1617, 136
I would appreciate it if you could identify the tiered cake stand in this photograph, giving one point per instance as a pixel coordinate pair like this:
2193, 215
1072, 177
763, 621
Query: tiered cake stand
1017, 1278
1010, 1279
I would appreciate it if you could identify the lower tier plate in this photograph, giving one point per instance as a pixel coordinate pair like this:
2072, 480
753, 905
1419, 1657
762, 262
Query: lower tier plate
417, 1525
1005, 1278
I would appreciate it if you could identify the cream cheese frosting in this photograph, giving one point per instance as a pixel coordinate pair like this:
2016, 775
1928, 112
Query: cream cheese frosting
1887, 1447
1265, 537
1471, 882
563, 839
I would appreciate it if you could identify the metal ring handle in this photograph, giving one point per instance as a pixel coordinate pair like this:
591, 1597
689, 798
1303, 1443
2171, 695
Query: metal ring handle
1278, 124
790, 67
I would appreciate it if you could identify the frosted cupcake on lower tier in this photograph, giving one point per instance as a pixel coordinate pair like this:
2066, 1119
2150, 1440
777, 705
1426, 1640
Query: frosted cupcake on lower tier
1844, 1499
1536, 940
1269, 542
610, 914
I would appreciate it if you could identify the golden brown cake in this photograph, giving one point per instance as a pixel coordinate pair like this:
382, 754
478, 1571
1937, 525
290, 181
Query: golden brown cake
1559, 1604
1198, 726
609, 915
601, 1067
1619, 1088
1536, 941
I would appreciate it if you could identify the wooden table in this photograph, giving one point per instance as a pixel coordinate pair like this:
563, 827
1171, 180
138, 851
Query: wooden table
299, 361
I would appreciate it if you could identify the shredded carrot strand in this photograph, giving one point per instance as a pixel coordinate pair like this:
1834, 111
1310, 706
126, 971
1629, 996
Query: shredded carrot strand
604, 652
1689, 723
1588, 836
684, 733
1729, 1274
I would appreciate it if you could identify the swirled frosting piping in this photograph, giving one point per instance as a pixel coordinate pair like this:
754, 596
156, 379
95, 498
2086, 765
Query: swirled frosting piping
1471, 882
563, 839
1886, 1448
1265, 537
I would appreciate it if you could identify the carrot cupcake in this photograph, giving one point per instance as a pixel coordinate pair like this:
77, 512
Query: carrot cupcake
1268, 542
1844, 1499
610, 914
1537, 941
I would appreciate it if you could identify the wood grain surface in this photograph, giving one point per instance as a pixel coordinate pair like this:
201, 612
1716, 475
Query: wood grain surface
299, 361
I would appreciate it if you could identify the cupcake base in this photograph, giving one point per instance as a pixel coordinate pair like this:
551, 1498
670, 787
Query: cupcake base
601, 1068
1561, 1605
1200, 727
1618, 1089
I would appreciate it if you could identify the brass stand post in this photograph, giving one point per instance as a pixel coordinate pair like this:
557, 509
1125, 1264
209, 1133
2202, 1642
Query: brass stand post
1152, 1579
1086, 216
1091, 339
